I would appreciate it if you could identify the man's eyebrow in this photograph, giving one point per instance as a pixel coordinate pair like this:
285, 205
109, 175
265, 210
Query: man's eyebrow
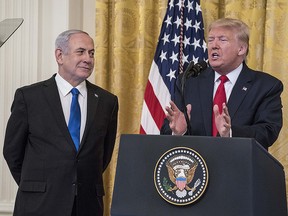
80, 48
220, 36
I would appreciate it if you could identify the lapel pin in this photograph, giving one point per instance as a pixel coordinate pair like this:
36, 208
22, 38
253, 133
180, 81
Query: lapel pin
244, 88
96, 95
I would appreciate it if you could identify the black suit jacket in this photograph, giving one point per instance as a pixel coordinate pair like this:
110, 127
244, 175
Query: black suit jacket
42, 158
254, 105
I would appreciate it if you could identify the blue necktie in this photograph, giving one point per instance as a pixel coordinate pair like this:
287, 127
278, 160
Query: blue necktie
75, 118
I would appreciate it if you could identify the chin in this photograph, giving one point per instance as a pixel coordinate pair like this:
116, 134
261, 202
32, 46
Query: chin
85, 74
214, 65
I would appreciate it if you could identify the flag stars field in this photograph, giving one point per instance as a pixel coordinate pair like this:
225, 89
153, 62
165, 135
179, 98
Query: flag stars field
183, 19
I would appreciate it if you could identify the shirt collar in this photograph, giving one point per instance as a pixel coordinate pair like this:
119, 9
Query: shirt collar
232, 76
65, 87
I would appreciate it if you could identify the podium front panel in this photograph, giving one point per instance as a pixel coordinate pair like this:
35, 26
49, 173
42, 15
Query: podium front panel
239, 172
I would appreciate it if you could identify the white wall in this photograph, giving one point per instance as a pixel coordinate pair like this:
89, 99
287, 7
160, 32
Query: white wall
28, 57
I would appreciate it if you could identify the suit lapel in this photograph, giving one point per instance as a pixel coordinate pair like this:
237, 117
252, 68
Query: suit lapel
206, 85
51, 93
240, 90
92, 103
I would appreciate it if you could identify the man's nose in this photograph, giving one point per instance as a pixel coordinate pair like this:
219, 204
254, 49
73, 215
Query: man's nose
88, 57
215, 44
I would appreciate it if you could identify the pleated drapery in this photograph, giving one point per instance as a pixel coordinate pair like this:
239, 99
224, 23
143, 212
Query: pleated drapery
126, 37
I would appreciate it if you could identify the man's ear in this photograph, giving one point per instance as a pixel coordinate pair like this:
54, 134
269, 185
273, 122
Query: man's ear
242, 49
59, 56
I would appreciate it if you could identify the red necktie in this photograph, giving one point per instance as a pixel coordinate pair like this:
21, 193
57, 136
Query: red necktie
219, 99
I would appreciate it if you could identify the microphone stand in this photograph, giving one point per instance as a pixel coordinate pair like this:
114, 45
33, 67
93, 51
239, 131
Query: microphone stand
189, 129
194, 71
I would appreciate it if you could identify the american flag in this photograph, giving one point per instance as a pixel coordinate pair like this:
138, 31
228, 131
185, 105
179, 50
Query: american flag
181, 40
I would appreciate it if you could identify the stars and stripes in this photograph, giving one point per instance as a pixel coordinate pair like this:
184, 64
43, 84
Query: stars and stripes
181, 40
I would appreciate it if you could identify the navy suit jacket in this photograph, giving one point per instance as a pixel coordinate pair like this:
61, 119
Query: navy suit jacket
42, 158
254, 105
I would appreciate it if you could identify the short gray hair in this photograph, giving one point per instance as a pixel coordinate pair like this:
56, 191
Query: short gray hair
62, 40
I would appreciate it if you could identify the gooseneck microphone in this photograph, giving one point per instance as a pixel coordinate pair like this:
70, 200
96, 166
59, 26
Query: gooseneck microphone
197, 69
191, 71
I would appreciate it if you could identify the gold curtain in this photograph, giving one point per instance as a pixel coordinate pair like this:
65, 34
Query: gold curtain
126, 37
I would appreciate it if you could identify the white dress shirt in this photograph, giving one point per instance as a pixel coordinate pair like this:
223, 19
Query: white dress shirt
232, 76
64, 89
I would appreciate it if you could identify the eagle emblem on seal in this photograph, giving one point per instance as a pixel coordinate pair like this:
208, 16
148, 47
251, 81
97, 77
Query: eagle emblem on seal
181, 176
181, 170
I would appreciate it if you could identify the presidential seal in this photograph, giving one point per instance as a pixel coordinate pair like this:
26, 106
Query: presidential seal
181, 176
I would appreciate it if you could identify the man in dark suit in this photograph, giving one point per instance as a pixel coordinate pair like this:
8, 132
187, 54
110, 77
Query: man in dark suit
56, 177
253, 97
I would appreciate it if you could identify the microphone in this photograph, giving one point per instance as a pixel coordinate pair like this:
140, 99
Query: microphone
196, 69
184, 77
191, 71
